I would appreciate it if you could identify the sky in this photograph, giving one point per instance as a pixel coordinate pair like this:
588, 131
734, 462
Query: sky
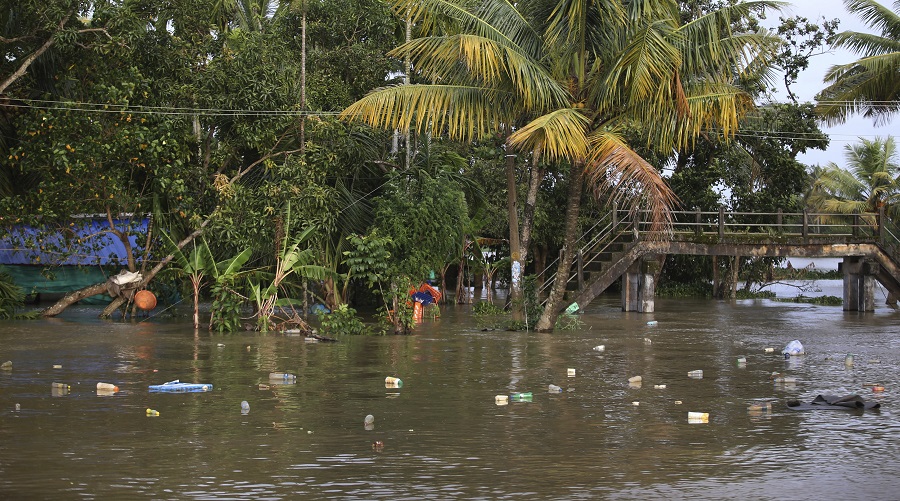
810, 81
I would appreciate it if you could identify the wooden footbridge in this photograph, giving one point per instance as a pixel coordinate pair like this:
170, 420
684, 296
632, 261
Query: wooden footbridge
621, 246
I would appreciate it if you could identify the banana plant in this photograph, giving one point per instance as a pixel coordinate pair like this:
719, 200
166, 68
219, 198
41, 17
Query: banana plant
292, 259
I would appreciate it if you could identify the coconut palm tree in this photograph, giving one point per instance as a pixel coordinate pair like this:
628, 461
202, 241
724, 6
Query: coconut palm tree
871, 84
567, 80
870, 182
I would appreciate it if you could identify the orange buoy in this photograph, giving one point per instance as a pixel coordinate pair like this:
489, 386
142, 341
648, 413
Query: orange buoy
145, 300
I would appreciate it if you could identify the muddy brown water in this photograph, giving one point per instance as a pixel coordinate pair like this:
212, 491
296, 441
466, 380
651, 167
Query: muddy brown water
443, 435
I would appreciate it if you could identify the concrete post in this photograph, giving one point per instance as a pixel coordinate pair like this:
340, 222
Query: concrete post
859, 283
639, 286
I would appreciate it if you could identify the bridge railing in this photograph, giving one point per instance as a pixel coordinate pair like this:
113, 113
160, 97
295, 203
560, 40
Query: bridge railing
801, 224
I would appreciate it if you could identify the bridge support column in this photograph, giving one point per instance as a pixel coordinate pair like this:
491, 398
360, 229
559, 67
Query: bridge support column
639, 286
859, 283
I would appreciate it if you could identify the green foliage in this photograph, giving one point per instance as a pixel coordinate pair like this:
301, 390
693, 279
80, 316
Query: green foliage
675, 289
568, 323
225, 309
485, 308
821, 300
748, 294
11, 298
343, 320
368, 258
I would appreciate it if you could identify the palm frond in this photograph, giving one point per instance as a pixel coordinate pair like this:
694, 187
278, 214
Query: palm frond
558, 135
616, 171
461, 112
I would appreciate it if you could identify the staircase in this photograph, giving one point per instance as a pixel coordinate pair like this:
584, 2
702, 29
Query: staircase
608, 249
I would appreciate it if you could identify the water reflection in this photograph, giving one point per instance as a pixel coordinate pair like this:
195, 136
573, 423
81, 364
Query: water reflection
443, 433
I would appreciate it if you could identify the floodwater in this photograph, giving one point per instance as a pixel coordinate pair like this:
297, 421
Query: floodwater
443, 435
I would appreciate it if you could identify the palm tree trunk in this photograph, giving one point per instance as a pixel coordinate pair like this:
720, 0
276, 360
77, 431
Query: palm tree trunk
516, 256
573, 206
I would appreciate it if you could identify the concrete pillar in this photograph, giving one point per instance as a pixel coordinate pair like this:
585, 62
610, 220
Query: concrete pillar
639, 286
859, 283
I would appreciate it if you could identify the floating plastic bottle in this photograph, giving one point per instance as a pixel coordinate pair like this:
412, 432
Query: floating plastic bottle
554, 389
107, 387
742, 361
698, 417
152, 413
369, 422
521, 397
659, 387
393, 382
770, 350
652, 322
848, 360
601, 347
696, 374
760, 407
245, 407
282, 376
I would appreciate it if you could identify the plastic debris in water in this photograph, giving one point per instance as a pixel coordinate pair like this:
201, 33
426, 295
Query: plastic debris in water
652, 322
696, 374
501, 399
698, 417
554, 389
7, 366
152, 413
245, 407
600, 347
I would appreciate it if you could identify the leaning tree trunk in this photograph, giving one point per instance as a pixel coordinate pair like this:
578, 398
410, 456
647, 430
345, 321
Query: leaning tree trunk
92, 290
573, 206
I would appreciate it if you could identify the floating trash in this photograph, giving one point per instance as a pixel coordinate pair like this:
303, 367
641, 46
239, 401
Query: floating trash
179, 387
394, 382
678, 402
742, 361
652, 322
635, 379
570, 372
848, 360
554, 389
152, 413
107, 387
501, 399
760, 407
698, 417
284, 377
245, 407
659, 387
57, 366
878, 389
635, 403
264, 386
647, 340
600, 347
696, 374
793, 349
7, 366
521, 397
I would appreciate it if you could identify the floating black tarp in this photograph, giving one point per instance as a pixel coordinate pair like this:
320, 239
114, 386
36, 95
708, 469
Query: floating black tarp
833, 402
